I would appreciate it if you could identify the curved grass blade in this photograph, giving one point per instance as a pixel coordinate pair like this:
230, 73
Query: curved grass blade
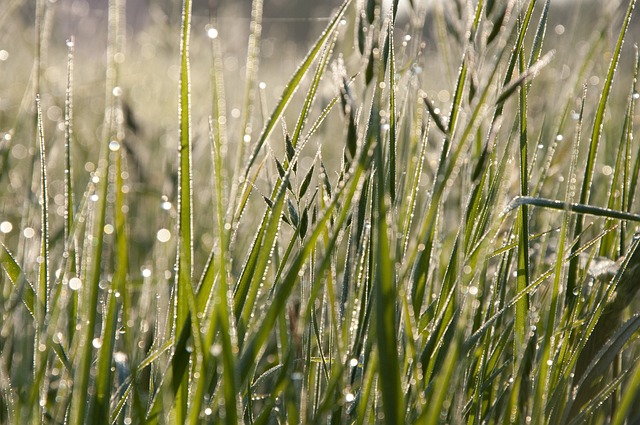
23, 287
571, 207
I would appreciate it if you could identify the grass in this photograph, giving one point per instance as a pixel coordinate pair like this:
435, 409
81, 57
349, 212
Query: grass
408, 231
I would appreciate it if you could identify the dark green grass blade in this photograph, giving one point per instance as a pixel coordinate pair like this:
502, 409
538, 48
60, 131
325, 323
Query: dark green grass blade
385, 280
572, 207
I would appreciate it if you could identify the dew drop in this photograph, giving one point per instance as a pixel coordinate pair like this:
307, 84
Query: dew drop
75, 283
97, 343
114, 146
6, 227
212, 33
28, 232
163, 235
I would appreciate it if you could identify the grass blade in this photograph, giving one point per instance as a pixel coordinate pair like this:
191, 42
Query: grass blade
594, 143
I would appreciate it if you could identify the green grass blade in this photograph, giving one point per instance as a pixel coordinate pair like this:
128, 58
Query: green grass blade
294, 83
20, 283
184, 262
594, 144
523, 277
81, 396
628, 397
253, 61
392, 108
385, 284
43, 278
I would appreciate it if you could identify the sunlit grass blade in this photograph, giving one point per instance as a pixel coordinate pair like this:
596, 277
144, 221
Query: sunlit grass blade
256, 342
253, 61
594, 143
294, 83
392, 108
43, 277
117, 300
523, 277
91, 291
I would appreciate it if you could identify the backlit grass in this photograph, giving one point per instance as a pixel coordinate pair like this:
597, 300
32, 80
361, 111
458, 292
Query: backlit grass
415, 223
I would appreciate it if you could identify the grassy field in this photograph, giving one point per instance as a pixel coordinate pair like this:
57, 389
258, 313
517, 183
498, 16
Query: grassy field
423, 216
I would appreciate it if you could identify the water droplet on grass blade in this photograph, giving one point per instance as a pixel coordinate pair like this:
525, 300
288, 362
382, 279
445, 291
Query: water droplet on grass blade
97, 343
163, 235
75, 283
114, 146
212, 33
6, 227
